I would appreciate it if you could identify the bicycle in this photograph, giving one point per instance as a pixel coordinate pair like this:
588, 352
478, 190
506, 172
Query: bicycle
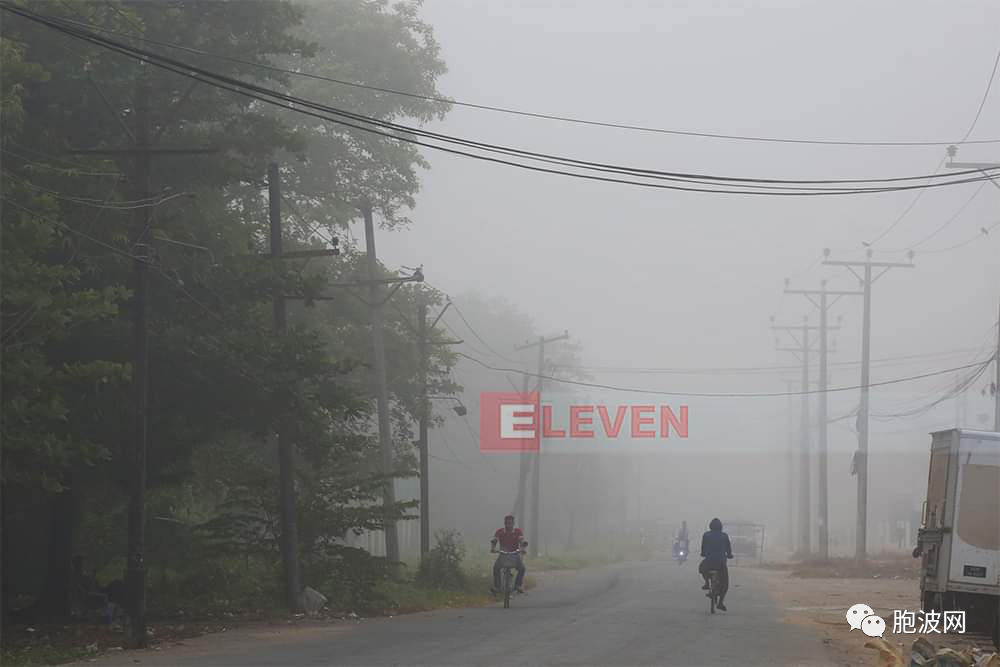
507, 566
714, 583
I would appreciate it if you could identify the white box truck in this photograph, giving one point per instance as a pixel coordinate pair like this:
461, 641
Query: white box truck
959, 540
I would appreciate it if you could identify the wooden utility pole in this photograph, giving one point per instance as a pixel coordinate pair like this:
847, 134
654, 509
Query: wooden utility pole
425, 409
142, 152
382, 389
535, 533
823, 305
424, 343
286, 450
861, 456
524, 469
135, 567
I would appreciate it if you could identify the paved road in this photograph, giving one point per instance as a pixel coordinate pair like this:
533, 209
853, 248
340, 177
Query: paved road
649, 613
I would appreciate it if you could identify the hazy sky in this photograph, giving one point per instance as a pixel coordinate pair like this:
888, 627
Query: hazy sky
657, 278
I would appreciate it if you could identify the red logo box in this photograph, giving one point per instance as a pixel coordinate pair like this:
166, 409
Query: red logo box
508, 422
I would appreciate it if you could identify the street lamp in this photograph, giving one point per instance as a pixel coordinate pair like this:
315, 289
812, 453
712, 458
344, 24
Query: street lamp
459, 409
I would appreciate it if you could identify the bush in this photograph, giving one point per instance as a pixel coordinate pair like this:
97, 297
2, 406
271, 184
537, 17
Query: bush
442, 566
349, 577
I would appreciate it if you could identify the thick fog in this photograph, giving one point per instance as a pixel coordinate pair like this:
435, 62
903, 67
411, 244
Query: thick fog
649, 278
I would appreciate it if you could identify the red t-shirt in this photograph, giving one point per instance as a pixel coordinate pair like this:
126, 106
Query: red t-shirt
509, 541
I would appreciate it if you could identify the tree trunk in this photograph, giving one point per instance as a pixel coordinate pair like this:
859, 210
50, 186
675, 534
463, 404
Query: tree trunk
56, 594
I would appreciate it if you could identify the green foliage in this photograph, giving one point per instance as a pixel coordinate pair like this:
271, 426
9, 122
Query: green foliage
442, 567
350, 578
221, 381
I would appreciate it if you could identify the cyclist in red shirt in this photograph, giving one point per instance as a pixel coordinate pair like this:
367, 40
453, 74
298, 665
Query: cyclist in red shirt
510, 539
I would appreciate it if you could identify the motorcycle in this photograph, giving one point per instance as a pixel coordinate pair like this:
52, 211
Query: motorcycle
680, 553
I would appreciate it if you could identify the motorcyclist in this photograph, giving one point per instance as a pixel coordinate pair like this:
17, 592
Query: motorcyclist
716, 550
510, 539
682, 540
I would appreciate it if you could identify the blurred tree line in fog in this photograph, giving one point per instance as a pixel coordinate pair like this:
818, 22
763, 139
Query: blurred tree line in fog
221, 382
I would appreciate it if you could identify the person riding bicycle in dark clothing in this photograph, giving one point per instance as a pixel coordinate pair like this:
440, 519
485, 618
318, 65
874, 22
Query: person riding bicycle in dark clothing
716, 550
510, 539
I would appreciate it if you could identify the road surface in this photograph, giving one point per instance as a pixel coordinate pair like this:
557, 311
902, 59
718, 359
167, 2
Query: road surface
647, 613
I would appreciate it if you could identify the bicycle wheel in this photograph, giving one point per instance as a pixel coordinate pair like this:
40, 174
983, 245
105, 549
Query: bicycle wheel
713, 592
507, 584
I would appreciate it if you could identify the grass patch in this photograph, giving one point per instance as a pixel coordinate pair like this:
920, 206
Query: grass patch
56, 644
404, 595
43, 655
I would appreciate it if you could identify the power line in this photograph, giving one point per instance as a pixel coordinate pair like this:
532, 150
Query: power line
947, 223
388, 130
983, 233
29, 164
972, 126
982, 102
906, 211
637, 390
87, 201
755, 369
47, 156
63, 225
533, 114
958, 390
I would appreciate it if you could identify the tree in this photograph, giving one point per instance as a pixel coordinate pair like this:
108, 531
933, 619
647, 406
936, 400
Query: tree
220, 380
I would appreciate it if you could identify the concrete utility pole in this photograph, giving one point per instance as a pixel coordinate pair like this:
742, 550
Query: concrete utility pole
790, 493
535, 535
823, 305
996, 380
382, 389
861, 456
805, 466
952, 151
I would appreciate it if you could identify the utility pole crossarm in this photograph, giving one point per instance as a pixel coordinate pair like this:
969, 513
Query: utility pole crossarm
827, 292
303, 254
801, 327
890, 265
542, 340
861, 454
973, 165
535, 531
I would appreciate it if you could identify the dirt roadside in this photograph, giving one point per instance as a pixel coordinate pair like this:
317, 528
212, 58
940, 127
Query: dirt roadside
821, 603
